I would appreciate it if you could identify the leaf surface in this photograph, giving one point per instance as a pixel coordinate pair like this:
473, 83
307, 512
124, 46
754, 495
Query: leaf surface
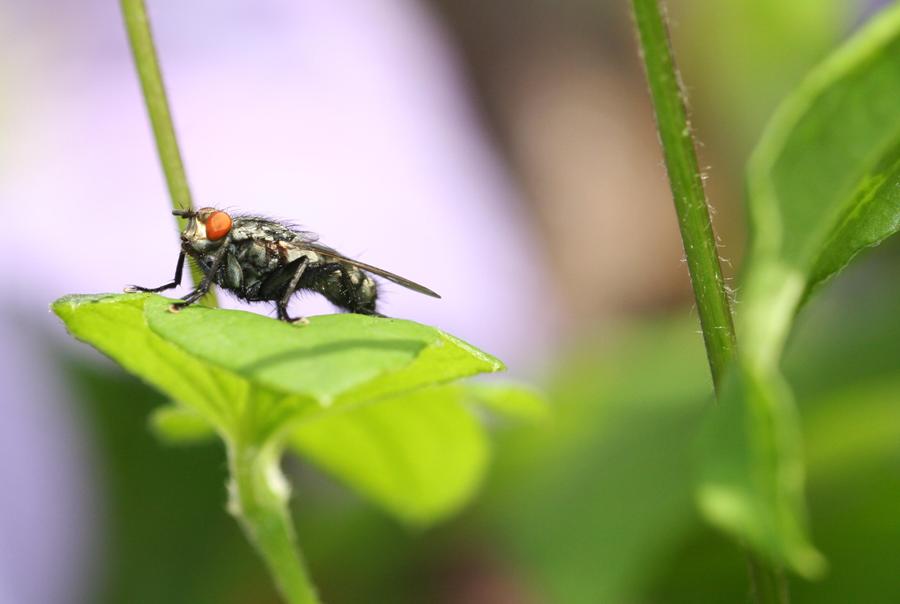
361, 396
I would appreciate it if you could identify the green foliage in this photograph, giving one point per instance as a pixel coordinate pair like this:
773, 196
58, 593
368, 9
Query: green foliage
163, 535
420, 455
761, 48
509, 401
611, 471
362, 397
240, 372
823, 184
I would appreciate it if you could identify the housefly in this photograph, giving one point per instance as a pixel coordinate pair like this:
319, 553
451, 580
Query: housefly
262, 260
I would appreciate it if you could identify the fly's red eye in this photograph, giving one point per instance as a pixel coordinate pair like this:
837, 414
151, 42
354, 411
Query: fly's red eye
217, 225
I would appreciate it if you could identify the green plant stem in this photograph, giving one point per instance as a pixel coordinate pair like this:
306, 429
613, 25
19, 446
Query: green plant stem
687, 188
769, 585
713, 304
259, 500
141, 39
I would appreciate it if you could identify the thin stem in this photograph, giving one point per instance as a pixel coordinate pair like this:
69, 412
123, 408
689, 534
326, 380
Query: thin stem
768, 585
139, 35
259, 496
697, 234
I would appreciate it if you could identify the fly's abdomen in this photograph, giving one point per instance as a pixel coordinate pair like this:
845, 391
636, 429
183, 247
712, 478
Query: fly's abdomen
344, 286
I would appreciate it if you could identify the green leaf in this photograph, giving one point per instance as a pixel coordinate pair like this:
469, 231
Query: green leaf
587, 502
749, 72
178, 425
115, 325
753, 473
419, 455
252, 379
872, 216
823, 185
823, 181
339, 358
509, 401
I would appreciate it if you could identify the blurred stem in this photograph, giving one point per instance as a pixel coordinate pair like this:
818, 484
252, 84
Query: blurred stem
259, 501
769, 585
139, 35
713, 304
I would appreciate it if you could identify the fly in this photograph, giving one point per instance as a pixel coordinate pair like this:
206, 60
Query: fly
262, 260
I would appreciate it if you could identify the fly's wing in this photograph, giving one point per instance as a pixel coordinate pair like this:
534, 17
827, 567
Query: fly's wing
330, 253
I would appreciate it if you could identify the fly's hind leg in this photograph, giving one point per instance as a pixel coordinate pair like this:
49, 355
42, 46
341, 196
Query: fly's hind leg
281, 305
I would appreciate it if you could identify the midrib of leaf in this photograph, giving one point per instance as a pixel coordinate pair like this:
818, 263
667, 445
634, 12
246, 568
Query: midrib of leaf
869, 190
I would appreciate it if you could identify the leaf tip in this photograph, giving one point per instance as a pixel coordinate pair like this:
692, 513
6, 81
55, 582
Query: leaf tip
734, 513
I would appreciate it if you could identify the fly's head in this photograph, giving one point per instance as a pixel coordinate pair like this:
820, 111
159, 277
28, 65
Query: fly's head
206, 230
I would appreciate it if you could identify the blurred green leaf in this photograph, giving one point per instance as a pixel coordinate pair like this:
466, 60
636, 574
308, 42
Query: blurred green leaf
752, 470
745, 55
163, 534
246, 374
420, 455
595, 504
823, 181
822, 185
872, 216
851, 427
516, 402
587, 501
178, 425
379, 450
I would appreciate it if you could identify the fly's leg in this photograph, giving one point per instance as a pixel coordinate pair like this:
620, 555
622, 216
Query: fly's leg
281, 305
205, 283
179, 268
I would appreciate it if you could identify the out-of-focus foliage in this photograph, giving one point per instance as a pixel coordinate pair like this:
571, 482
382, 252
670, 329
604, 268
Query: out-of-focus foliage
747, 54
389, 451
168, 537
596, 495
593, 504
822, 184
419, 455
612, 475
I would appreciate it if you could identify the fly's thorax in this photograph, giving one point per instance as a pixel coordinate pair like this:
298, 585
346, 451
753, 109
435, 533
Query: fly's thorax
288, 252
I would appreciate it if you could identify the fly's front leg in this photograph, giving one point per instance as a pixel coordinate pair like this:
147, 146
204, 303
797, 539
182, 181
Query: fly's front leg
281, 305
179, 269
205, 283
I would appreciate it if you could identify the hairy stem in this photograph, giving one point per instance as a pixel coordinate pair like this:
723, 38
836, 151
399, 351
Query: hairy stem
258, 499
141, 39
698, 237
697, 234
